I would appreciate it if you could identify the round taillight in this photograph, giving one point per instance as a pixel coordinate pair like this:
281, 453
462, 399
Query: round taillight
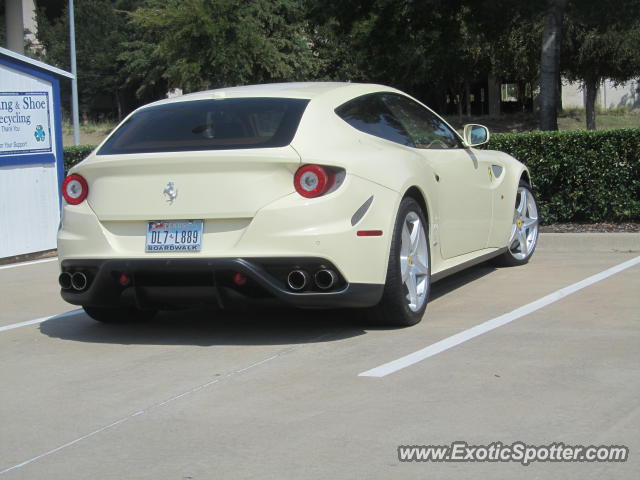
312, 180
75, 189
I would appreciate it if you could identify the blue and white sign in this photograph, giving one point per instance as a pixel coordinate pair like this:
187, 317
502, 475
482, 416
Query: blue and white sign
25, 123
31, 161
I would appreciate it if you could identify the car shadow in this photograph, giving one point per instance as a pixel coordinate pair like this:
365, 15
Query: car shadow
206, 327
449, 285
460, 279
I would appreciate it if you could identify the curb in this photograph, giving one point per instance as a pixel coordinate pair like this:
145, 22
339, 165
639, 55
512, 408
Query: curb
597, 242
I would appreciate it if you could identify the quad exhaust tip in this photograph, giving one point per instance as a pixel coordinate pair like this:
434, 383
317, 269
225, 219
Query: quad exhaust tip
325, 279
297, 280
65, 280
79, 281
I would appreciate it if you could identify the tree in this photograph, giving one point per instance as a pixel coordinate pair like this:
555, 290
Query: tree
101, 29
508, 32
405, 44
216, 43
601, 44
550, 64
515, 49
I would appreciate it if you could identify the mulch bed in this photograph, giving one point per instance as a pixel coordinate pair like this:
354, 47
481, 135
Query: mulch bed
591, 228
28, 257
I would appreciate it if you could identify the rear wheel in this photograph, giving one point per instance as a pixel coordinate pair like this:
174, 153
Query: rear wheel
524, 230
119, 314
408, 274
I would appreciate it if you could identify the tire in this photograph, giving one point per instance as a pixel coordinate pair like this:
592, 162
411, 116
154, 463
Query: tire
409, 258
119, 314
524, 230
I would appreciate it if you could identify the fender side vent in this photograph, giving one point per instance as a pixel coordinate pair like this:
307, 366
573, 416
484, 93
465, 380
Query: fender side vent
361, 211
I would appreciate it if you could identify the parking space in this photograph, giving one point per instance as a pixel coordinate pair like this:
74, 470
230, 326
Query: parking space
277, 394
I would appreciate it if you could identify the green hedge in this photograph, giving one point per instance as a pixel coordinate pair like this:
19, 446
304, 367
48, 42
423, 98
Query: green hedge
73, 155
580, 176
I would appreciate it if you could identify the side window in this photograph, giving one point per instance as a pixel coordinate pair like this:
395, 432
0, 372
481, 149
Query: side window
425, 129
369, 114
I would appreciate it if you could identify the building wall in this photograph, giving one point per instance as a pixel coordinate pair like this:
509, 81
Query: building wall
609, 96
20, 16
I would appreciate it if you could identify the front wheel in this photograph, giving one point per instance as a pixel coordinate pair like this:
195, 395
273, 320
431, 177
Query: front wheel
408, 273
524, 230
119, 314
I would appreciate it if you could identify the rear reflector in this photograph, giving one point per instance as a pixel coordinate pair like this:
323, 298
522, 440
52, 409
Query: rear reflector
369, 233
239, 279
124, 280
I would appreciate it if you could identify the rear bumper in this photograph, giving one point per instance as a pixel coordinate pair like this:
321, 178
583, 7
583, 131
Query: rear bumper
168, 283
291, 226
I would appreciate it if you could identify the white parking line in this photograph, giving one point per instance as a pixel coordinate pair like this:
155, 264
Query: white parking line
33, 262
39, 320
458, 338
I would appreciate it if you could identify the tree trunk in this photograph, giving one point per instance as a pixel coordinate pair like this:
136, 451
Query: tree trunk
467, 96
521, 97
493, 92
591, 93
559, 93
550, 64
441, 100
119, 105
459, 105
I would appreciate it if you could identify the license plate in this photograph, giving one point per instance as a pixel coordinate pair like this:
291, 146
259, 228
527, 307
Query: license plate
174, 236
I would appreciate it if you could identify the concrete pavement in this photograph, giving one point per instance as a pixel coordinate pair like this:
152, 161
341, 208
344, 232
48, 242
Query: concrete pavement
277, 394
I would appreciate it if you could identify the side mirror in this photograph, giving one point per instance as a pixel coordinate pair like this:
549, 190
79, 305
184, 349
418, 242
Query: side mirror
475, 135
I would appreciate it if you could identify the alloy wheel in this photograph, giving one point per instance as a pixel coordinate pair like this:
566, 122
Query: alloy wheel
524, 231
414, 261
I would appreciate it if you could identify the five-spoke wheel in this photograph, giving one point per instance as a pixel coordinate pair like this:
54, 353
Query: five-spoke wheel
414, 261
408, 282
524, 230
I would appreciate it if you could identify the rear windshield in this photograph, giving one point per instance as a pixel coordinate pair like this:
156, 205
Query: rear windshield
222, 124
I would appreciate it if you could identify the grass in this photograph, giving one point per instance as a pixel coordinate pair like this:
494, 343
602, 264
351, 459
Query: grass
89, 127
574, 119
570, 119
91, 133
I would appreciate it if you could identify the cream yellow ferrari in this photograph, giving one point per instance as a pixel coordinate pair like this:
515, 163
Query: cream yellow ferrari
315, 195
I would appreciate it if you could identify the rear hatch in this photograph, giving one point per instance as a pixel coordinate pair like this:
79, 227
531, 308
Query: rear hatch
198, 159
190, 185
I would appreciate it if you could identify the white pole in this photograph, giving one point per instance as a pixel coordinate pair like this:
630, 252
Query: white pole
74, 81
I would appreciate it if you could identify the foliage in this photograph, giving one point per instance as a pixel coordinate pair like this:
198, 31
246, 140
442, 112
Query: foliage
426, 47
580, 176
104, 37
602, 42
132, 51
99, 31
75, 154
216, 43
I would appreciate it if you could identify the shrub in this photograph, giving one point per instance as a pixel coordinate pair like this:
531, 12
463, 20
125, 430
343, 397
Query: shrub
580, 176
75, 154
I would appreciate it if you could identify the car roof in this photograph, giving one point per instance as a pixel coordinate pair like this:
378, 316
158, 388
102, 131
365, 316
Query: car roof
303, 90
